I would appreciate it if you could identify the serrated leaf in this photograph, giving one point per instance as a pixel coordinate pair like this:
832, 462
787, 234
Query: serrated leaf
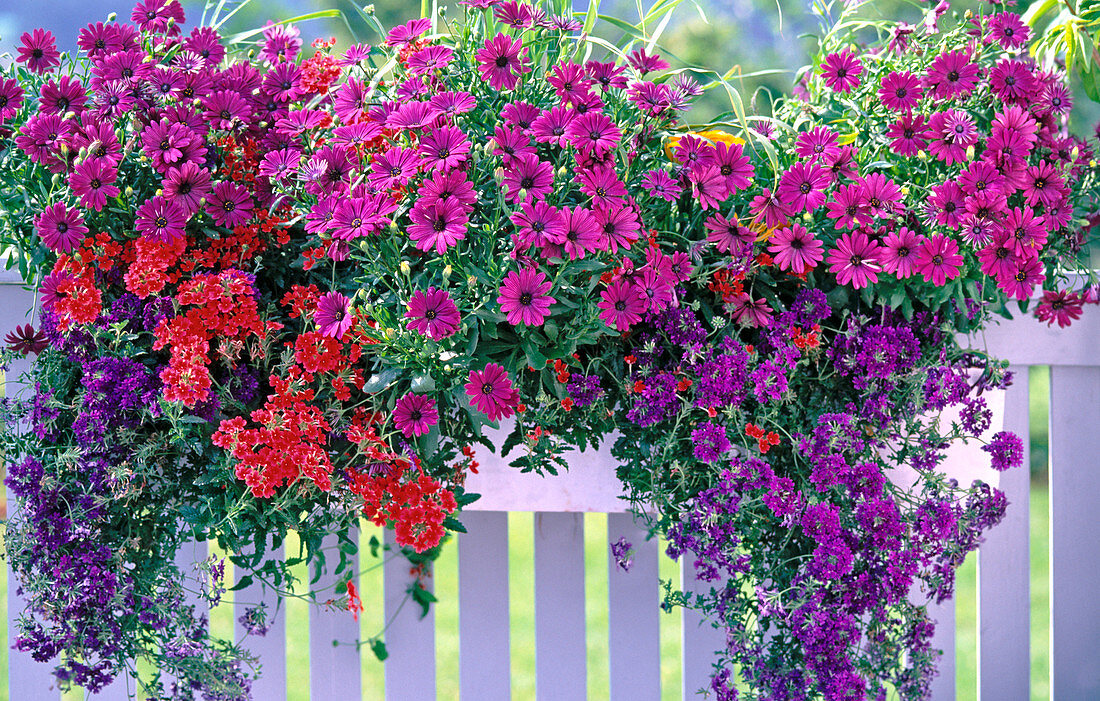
453, 524
242, 583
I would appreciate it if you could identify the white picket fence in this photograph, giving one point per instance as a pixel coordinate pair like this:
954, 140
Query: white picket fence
634, 619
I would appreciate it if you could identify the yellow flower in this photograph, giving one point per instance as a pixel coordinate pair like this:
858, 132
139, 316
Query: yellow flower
715, 135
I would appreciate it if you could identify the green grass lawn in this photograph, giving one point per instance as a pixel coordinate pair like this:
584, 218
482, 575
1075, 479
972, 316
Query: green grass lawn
521, 589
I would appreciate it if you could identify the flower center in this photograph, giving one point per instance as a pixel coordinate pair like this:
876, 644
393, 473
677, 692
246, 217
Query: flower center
526, 298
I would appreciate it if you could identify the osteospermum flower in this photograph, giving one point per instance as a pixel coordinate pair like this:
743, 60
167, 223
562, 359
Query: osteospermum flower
900, 91
841, 71
749, 311
1008, 30
93, 182
523, 297
898, 254
438, 226
727, 235
907, 135
414, 415
527, 174
160, 219
333, 315
802, 187
444, 148
60, 227
39, 51
229, 205
854, 261
952, 75
433, 314
660, 184
939, 260
795, 248
491, 392
187, 185
581, 232
501, 61
1062, 306
27, 339
11, 98
622, 303
593, 133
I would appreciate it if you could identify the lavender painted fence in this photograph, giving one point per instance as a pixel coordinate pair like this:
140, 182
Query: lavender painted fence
560, 635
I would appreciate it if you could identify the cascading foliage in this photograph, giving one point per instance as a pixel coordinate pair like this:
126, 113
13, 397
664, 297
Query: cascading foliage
281, 292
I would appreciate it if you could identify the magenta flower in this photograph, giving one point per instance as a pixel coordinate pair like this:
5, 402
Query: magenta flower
230, 205
947, 204
66, 96
998, 259
898, 254
501, 61
527, 174
280, 164
980, 176
1062, 306
733, 165
393, 168
414, 415
1012, 81
60, 227
430, 59
161, 219
93, 182
523, 297
619, 226
433, 314
728, 236
660, 184
816, 143
841, 71
438, 226
802, 187
186, 186
11, 98
570, 81
353, 218
900, 91
939, 260
795, 248
593, 133
847, 207
952, 75
769, 207
550, 126
907, 135
581, 232
656, 287
226, 110
444, 148
1027, 274
520, 115
644, 63
539, 224
881, 195
854, 261
950, 133
39, 51
1027, 231
450, 185
491, 392
512, 143
749, 311
1008, 30
402, 36
333, 315
1043, 184
602, 184
709, 187
282, 42
622, 303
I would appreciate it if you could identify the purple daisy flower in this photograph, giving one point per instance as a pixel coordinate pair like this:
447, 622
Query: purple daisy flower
660, 184
39, 51
527, 174
523, 297
225, 110
186, 186
593, 133
619, 227
229, 205
622, 303
393, 168
407, 33
491, 392
333, 315
93, 182
433, 314
60, 227
280, 164
353, 218
539, 224
581, 232
501, 62
64, 96
161, 219
11, 98
281, 42
841, 71
445, 148
437, 226
414, 415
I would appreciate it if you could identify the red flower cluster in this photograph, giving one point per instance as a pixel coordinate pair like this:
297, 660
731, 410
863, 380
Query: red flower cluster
764, 440
414, 504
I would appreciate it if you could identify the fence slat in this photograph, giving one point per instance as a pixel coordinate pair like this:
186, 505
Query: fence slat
270, 648
1074, 531
560, 664
27, 679
1004, 586
483, 627
333, 668
410, 640
699, 640
943, 686
633, 618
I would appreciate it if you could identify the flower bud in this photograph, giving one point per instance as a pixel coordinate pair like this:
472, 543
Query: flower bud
447, 270
471, 280
405, 267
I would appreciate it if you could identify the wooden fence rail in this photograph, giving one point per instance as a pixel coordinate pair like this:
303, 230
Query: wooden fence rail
634, 620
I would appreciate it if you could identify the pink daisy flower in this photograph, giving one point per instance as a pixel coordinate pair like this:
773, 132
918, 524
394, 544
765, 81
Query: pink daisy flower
414, 415
709, 187
619, 227
187, 185
847, 207
728, 236
402, 36
998, 259
802, 187
161, 219
333, 315
1027, 274
660, 184
593, 133
815, 143
523, 297
527, 174
733, 165
841, 71
582, 232
946, 204
1012, 81
539, 224
60, 227
898, 254
1026, 230
1043, 184
551, 126
952, 74
11, 98
501, 61
1062, 306
393, 168
39, 51
750, 312
900, 91
881, 195
93, 182
437, 226
796, 249
854, 261
1008, 30
433, 314
656, 288
602, 184
444, 148
939, 260
622, 303
491, 392
907, 135
230, 205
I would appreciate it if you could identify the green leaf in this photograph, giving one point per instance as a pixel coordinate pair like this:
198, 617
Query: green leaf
379, 649
319, 14
242, 583
453, 524
379, 381
374, 545
423, 382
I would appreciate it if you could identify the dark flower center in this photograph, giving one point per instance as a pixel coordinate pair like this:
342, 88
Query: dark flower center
901, 93
36, 53
953, 76
161, 222
804, 188
430, 314
620, 306
937, 259
487, 388
226, 114
415, 415
95, 183
229, 206
395, 172
903, 252
526, 182
526, 298
502, 61
62, 227
184, 188
439, 224
356, 223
